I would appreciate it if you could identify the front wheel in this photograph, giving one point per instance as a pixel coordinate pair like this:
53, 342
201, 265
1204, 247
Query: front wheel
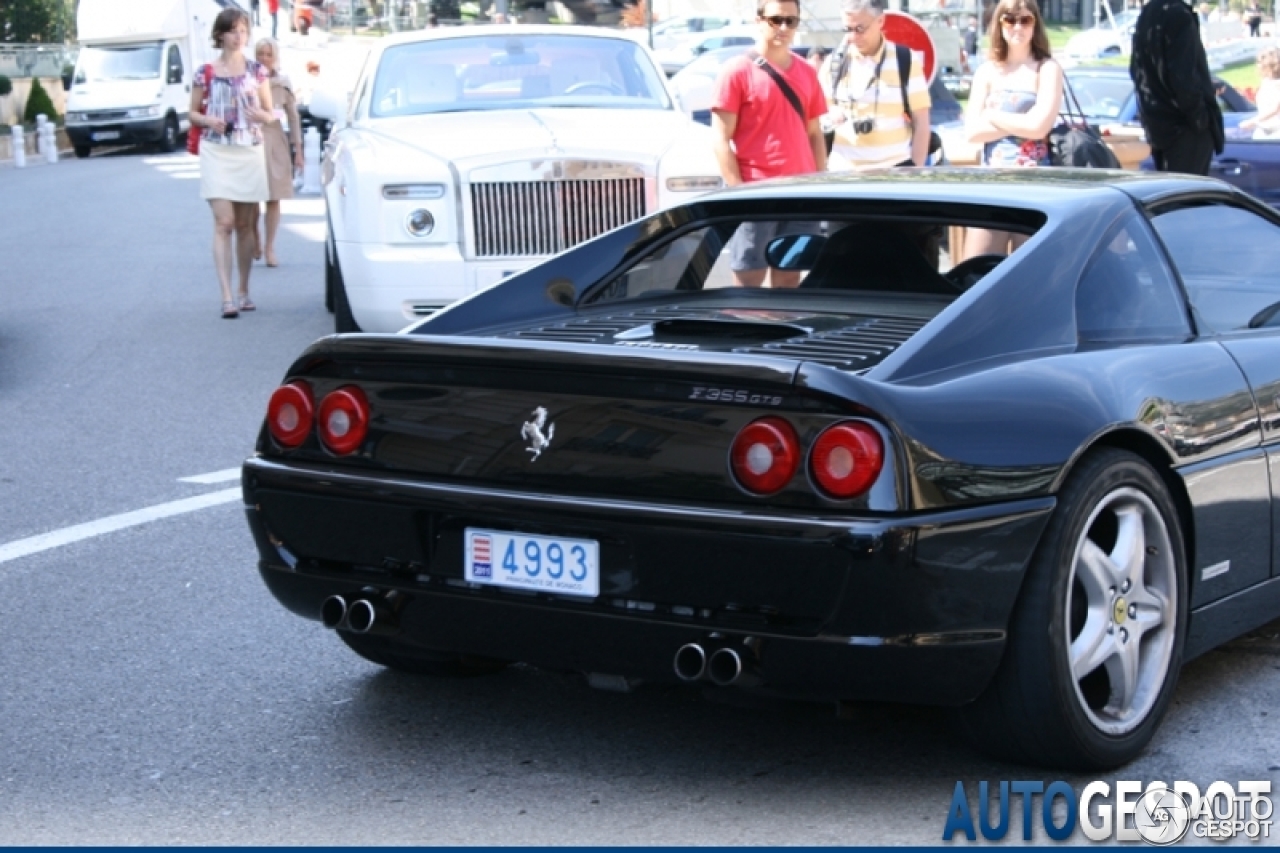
169, 140
1095, 641
387, 652
343, 320
82, 151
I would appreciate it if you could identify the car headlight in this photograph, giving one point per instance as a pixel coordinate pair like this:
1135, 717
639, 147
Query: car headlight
77, 118
144, 112
399, 192
695, 184
419, 223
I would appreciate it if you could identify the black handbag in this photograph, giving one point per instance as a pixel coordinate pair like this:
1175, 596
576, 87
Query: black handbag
1075, 143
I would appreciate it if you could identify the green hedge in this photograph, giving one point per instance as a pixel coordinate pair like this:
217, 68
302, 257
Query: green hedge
39, 102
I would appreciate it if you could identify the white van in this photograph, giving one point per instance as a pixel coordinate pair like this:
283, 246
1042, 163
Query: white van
133, 78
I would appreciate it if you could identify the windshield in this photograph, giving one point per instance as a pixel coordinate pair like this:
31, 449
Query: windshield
1101, 97
135, 62
515, 72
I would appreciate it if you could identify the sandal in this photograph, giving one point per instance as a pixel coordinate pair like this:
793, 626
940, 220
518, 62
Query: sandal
229, 311
246, 304
271, 259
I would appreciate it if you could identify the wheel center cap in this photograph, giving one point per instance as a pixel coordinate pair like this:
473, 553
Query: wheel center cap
1119, 611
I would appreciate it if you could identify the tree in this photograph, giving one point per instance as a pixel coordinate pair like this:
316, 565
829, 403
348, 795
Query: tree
45, 21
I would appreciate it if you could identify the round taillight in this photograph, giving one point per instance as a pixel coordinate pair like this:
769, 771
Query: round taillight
344, 419
846, 459
765, 455
290, 413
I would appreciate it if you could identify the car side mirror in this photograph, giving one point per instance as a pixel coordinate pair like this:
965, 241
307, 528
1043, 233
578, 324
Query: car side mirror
795, 251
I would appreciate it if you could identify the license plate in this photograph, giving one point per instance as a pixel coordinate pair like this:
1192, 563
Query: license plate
104, 135
539, 563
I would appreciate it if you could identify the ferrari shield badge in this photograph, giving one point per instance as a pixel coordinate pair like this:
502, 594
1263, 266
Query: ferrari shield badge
532, 432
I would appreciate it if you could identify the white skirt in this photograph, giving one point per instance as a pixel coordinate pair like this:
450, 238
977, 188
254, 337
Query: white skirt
233, 172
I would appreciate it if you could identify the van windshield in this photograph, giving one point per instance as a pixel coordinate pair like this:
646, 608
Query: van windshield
135, 62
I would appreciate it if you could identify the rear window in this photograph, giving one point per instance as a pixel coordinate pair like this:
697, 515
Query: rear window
928, 257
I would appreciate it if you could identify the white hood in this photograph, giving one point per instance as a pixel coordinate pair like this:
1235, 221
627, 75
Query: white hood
471, 138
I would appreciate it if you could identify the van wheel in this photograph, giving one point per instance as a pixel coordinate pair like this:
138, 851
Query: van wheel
343, 321
82, 151
1095, 640
169, 142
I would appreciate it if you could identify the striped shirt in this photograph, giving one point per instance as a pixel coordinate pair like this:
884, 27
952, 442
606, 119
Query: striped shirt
871, 88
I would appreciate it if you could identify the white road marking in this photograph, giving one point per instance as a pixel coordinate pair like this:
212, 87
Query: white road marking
223, 476
112, 523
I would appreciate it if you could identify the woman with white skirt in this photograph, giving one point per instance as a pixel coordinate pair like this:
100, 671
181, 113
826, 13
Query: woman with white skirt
230, 100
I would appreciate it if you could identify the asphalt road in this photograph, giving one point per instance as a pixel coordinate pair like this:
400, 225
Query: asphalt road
151, 691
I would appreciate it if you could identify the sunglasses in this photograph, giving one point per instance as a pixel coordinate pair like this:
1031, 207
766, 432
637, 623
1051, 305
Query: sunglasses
858, 29
1018, 20
780, 21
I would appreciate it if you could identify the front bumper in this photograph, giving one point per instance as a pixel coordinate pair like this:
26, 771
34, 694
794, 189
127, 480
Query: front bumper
388, 287
132, 131
909, 609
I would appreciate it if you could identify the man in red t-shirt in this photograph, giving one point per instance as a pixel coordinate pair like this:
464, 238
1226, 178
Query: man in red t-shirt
760, 132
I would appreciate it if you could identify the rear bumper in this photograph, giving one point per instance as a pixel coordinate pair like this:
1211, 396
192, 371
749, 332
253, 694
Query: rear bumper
909, 609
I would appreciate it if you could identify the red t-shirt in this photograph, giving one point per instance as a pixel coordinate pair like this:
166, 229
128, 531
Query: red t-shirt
770, 140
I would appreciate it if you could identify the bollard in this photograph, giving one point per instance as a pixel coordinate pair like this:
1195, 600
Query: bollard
19, 147
311, 162
51, 143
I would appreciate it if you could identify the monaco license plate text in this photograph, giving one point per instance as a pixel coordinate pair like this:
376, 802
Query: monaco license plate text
541, 563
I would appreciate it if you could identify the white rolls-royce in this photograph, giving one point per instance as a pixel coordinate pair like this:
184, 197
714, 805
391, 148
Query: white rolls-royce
467, 154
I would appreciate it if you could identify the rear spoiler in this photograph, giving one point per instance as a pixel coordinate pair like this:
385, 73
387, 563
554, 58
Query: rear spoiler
633, 362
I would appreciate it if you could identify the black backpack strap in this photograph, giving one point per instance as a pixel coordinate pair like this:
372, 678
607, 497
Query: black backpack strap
838, 66
787, 91
904, 75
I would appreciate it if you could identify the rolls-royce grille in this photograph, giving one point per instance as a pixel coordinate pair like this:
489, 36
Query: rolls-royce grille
544, 217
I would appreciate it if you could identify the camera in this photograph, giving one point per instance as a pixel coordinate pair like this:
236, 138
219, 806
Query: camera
863, 126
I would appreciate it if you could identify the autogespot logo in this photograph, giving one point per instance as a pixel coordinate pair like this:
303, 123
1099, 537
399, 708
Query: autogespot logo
1156, 813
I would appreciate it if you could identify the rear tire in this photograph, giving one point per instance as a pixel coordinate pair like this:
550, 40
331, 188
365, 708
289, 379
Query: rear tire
82, 151
1096, 638
386, 651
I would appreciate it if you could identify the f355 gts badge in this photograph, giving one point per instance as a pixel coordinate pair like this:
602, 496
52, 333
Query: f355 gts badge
532, 431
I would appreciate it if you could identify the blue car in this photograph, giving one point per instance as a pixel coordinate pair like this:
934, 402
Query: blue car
1106, 96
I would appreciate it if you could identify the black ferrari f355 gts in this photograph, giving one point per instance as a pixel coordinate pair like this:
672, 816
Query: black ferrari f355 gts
1029, 486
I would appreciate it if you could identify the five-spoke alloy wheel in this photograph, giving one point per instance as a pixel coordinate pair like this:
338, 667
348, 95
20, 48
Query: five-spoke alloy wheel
1095, 640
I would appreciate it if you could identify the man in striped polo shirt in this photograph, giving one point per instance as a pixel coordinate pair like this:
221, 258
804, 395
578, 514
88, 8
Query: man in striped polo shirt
865, 86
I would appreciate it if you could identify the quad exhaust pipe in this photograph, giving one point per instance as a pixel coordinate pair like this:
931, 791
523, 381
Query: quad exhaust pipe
723, 667
365, 613
690, 662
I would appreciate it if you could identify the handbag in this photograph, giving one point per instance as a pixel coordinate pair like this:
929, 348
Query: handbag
1075, 143
193, 132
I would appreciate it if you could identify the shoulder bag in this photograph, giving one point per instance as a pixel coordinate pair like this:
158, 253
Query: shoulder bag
1075, 143
193, 132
